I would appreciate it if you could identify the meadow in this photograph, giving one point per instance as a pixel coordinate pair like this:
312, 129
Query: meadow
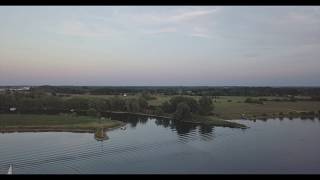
61, 122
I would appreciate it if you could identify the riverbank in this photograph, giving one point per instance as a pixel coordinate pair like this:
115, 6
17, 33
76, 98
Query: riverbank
215, 121
56, 123
236, 107
196, 119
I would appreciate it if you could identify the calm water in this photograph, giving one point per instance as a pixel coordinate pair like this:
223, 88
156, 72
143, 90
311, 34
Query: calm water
151, 145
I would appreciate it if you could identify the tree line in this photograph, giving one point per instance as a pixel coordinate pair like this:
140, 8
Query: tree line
48, 103
184, 107
179, 107
184, 90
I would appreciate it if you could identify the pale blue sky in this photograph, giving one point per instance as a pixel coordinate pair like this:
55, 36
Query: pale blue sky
165, 45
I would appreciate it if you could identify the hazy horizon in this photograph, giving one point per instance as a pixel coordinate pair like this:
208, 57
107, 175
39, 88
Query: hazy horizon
160, 46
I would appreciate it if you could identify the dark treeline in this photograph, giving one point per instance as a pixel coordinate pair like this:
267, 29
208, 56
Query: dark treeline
183, 107
184, 90
180, 107
44, 103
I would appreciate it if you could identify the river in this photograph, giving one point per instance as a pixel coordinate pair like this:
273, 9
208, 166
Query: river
150, 145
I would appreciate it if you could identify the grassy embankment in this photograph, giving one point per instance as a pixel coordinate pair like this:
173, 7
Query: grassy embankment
215, 121
234, 107
26, 122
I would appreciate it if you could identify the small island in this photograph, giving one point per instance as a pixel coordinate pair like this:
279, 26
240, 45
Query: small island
55, 123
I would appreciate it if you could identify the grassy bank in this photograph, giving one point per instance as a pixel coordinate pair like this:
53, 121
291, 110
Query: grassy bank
26, 122
234, 107
215, 121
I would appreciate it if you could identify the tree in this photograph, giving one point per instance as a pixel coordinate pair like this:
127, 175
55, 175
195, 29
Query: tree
117, 104
167, 107
132, 105
77, 103
143, 103
183, 112
146, 95
99, 104
192, 103
206, 105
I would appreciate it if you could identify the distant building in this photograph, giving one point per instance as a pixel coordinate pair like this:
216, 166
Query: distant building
12, 109
20, 89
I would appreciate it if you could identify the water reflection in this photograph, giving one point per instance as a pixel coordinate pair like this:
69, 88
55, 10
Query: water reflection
182, 129
164, 146
101, 135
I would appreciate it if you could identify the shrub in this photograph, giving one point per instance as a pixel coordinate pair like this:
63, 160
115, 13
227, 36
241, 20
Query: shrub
311, 113
92, 112
255, 101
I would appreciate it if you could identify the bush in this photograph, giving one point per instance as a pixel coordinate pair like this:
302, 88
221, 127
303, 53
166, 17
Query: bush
315, 98
92, 112
158, 111
311, 113
255, 101
147, 96
293, 99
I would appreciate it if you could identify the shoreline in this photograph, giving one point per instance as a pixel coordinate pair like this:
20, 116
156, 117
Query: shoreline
57, 129
10, 123
140, 114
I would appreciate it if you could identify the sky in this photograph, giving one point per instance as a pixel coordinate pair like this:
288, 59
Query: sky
160, 45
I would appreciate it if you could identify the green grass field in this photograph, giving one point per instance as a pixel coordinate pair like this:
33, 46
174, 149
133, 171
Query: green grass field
55, 122
237, 107
232, 107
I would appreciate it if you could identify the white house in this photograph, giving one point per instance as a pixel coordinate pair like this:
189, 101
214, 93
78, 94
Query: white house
12, 109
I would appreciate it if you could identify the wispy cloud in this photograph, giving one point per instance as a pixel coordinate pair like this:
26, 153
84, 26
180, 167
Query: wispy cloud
162, 30
200, 32
188, 21
81, 29
175, 17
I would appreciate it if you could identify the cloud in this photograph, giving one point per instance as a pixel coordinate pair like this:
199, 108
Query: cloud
187, 21
162, 30
200, 32
81, 29
178, 17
